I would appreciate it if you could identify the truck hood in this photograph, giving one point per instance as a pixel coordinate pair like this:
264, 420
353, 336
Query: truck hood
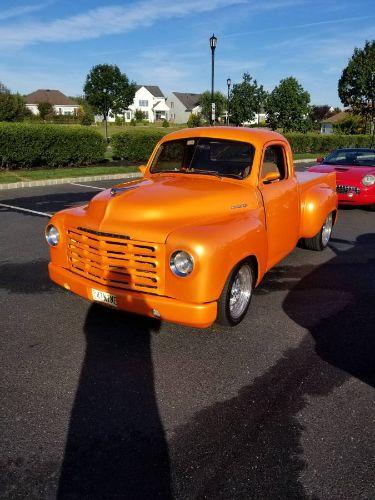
151, 208
344, 173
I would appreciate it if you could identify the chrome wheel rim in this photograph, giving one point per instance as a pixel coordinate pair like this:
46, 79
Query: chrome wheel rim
327, 230
240, 292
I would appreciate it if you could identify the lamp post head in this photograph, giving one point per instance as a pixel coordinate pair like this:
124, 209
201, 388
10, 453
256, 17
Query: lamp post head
213, 42
229, 82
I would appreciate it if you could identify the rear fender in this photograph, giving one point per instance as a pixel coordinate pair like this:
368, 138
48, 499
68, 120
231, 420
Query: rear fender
316, 203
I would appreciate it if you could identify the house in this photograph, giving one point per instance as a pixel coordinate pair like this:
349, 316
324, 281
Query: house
149, 99
62, 104
327, 124
181, 105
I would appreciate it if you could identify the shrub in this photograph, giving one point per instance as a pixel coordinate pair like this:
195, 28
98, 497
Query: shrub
12, 107
52, 146
194, 120
139, 115
87, 119
133, 122
136, 144
320, 143
165, 123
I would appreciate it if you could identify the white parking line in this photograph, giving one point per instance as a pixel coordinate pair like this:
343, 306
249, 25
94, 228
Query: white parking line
45, 214
87, 186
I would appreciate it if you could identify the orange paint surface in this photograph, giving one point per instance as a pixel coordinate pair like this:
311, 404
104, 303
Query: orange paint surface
122, 242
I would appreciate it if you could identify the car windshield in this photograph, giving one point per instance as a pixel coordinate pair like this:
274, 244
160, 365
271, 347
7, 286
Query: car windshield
356, 157
205, 156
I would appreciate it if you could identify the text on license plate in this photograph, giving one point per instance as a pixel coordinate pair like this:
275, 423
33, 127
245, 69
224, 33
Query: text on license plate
105, 297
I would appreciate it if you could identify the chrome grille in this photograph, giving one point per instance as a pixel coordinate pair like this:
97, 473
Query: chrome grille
115, 260
341, 188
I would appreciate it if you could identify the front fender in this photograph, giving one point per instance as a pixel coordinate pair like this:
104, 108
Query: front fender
216, 248
316, 203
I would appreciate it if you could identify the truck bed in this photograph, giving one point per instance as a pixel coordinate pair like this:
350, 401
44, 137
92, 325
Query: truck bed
307, 180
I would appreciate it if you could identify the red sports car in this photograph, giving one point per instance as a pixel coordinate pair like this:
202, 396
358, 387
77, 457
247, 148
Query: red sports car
355, 175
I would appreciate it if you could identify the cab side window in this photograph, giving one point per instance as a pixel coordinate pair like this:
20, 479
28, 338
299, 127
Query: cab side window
274, 161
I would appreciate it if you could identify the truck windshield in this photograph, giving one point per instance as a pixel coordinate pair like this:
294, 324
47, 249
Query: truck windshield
205, 156
352, 157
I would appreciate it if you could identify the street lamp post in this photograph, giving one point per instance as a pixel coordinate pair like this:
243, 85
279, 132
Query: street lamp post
229, 83
213, 43
106, 114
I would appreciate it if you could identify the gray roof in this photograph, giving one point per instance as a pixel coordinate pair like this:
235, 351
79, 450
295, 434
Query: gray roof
188, 100
153, 89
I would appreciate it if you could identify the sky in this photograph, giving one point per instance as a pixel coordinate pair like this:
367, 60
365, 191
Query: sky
54, 43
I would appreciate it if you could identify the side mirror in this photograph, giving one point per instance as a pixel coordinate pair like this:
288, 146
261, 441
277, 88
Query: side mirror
142, 169
320, 159
271, 177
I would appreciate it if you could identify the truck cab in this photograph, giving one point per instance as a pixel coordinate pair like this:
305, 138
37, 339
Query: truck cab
216, 208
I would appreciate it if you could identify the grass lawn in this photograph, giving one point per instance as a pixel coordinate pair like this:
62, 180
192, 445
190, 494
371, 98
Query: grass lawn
303, 156
7, 176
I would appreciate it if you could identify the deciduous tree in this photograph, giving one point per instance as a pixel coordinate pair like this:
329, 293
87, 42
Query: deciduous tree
246, 100
12, 106
356, 86
205, 104
287, 106
106, 89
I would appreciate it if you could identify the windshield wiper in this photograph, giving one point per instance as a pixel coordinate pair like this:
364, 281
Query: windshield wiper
203, 171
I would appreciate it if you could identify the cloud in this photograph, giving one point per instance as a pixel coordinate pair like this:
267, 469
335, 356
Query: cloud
106, 20
22, 10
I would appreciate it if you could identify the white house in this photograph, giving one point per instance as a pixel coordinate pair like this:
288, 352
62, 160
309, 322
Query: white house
149, 99
62, 104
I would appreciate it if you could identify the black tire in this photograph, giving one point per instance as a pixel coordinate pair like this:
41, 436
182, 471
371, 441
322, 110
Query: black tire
372, 207
224, 315
319, 242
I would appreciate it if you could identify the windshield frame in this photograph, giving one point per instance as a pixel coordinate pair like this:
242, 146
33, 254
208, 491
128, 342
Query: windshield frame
328, 159
203, 171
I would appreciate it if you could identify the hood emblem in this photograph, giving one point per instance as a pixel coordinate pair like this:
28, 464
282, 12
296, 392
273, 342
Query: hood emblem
117, 190
240, 205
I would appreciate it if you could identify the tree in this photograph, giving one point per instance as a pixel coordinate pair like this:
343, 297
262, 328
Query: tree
45, 109
12, 106
106, 89
246, 100
287, 106
205, 104
356, 86
195, 120
86, 111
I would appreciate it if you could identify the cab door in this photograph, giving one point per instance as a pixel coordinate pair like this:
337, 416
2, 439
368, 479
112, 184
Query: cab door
281, 202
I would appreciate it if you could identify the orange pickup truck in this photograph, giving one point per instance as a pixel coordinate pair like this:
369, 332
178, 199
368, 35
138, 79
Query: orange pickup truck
216, 208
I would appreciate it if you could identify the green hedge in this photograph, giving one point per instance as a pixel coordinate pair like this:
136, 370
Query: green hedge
320, 143
137, 144
32, 145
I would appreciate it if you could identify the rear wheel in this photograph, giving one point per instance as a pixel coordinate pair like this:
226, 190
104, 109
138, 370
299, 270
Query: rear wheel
320, 241
236, 296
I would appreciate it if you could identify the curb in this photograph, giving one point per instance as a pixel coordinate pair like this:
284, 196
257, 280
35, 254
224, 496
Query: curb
68, 180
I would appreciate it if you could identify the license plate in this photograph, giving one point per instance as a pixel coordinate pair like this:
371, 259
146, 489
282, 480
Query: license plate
105, 297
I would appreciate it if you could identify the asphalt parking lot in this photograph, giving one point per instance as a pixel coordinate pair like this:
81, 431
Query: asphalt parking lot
98, 404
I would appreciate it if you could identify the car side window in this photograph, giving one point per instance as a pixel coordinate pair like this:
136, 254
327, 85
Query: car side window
274, 161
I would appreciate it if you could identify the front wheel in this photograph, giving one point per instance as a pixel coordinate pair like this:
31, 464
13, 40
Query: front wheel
320, 241
235, 298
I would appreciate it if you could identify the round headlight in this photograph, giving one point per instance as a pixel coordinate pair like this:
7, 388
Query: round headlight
52, 235
368, 180
181, 263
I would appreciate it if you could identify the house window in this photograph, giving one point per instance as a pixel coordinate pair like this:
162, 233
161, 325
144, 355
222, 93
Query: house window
172, 104
143, 103
60, 111
128, 115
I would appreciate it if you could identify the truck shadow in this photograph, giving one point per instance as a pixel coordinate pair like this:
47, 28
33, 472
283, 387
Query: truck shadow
116, 447
250, 445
